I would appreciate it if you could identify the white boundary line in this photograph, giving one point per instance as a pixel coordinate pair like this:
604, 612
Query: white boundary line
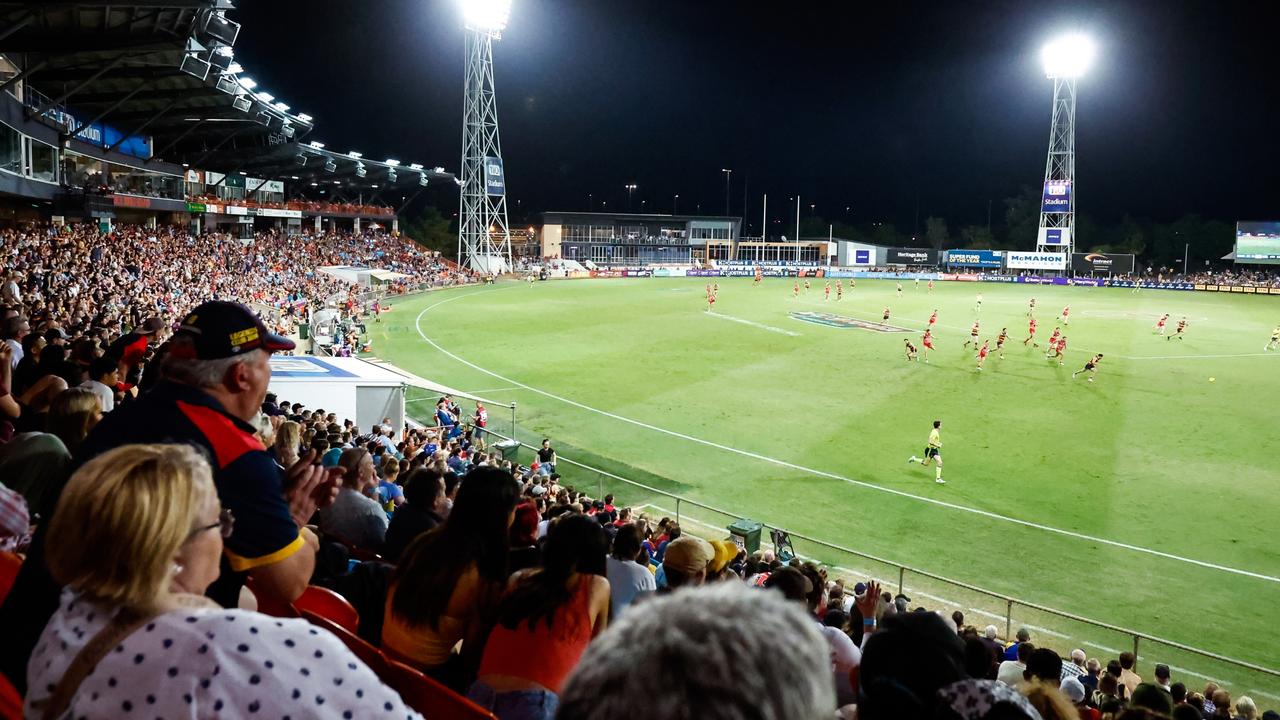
984, 613
492, 390
752, 323
822, 473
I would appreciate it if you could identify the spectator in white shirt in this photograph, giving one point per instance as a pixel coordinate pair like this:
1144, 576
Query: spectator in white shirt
627, 578
1010, 671
104, 373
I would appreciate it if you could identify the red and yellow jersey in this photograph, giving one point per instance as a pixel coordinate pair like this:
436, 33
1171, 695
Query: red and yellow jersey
1162, 321
1062, 345
974, 330
1003, 336
1066, 311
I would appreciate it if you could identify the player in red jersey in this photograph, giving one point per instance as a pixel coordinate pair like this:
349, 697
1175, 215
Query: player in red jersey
1004, 335
1160, 323
933, 318
759, 276
911, 351
982, 353
1053, 339
1066, 313
1059, 349
973, 335
886, 314
795, 289
1031, 333
1177, 333
927, 341
826, 291
711, 301
839, 290
931, 286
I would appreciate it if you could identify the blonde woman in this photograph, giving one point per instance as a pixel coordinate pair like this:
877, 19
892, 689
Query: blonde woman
148, 533
287, 444
390, 494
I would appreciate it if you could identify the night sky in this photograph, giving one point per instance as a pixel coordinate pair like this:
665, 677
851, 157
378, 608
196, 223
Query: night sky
894, 112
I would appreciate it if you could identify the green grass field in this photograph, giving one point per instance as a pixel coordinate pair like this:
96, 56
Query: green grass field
1146, 499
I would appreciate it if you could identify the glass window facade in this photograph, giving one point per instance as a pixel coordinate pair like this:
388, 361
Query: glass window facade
10, 149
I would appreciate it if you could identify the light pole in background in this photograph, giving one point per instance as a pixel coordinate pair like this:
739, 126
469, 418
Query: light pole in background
675, 204
1065, 59
727, 174
630, 189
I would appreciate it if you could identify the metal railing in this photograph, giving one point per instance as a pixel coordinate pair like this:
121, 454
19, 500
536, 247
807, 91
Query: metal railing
904, 572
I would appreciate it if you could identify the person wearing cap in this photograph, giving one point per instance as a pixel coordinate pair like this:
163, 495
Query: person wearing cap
129, 349
685, 563
215, 378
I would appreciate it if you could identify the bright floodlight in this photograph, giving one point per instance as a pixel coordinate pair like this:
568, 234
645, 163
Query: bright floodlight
486, 15
1068, 56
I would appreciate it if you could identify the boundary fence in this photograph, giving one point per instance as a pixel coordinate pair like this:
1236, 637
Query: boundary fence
906, 572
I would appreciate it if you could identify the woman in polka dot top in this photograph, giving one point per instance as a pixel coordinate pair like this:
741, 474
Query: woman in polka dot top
141, 533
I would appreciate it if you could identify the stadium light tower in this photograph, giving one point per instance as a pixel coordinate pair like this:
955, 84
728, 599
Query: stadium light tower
1065, 60
484, 238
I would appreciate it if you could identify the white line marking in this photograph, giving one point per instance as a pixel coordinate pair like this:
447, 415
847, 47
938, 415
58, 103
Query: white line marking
492, 390
1200, 357
753, 324
823, 473
977, 611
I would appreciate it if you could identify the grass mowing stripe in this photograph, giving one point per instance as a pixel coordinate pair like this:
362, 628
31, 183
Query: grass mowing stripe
823, 473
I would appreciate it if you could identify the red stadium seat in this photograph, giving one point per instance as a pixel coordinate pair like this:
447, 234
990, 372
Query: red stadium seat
367, 653
431, 698
10, 701
330, 605
10, 564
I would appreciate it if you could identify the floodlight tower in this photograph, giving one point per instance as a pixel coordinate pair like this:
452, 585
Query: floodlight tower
1065, 60
484, 238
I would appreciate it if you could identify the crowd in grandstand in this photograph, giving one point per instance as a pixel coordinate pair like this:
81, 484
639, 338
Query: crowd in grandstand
162, 498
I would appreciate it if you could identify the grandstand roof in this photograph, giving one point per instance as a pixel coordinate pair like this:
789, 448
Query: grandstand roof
119, 64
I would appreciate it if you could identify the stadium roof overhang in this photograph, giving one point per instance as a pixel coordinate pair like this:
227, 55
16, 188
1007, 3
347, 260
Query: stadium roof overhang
165, 69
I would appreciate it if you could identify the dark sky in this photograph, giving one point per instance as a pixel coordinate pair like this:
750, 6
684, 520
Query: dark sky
886, 108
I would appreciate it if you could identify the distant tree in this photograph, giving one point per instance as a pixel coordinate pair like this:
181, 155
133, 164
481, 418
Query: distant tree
1021, 219
977, 237
433, 231
884, 234
936, 233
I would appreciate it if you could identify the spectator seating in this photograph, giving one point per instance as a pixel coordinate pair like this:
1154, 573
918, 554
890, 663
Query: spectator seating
429, 697
10, 563
329, 605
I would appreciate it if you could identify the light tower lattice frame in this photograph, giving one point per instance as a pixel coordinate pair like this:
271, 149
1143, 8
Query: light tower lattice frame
484, 236
1060, 167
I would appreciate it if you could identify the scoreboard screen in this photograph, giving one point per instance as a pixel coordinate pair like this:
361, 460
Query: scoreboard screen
1258, 242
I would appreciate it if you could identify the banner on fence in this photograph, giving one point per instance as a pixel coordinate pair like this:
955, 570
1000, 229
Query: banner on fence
911, 256
1015, 260
975, 258
1102, 263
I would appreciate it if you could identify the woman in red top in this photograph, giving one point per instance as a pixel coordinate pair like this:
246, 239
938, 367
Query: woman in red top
545, 621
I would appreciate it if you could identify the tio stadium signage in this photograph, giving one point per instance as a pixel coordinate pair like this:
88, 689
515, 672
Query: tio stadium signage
494, 181
1056, 197
911, 256
1035, 260
1102, 263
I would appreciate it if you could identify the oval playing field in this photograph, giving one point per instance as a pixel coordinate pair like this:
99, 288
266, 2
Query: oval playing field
1147, 498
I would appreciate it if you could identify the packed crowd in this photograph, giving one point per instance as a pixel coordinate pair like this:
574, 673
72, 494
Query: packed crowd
87, 283
162, 497
316, 206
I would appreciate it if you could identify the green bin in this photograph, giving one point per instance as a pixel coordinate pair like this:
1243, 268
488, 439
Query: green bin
304, 331
508, 448
746, 533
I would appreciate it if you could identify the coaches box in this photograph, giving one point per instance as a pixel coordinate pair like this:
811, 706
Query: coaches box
350, 388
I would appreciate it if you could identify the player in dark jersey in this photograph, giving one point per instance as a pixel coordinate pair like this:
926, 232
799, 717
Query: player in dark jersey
911, 351
1090, 367
1004, 335
1178, 333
